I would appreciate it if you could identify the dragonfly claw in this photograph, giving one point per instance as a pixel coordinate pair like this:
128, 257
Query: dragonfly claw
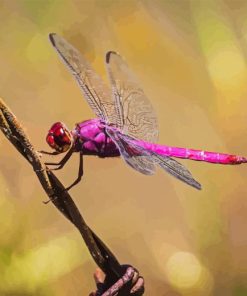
55, 169
45, 202
51, 198
40, 154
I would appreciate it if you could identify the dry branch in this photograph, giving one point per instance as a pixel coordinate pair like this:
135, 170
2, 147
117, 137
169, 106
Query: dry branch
120, 280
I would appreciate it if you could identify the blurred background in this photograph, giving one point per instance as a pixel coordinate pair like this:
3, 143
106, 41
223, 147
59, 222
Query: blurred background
190, 58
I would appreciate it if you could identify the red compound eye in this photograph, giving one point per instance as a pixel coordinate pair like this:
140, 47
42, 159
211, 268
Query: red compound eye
58, 132
59, 137
50, 140
56, 126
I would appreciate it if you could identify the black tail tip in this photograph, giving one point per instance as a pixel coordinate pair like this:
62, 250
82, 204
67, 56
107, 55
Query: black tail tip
197, 185
51, 37
108, 55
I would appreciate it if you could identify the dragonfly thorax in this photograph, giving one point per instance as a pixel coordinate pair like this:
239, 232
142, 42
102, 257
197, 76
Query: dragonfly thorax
91, 138
59, 137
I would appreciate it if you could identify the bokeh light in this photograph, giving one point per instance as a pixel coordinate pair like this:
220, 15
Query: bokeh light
186, 274
184, 270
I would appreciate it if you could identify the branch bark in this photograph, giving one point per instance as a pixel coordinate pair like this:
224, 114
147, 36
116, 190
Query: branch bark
119, 280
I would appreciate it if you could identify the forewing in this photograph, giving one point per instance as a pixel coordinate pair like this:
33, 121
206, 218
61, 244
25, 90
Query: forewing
97, 94
135, 113
170, 165
133, 156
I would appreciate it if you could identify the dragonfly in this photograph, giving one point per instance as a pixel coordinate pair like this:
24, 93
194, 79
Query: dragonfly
125, 125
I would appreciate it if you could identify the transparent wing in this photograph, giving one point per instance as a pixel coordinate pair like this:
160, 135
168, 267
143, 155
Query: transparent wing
97, 94
176, 169
132, 155
143, 160
135, 113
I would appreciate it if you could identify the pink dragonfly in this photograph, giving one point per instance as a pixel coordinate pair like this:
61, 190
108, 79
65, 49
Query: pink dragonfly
126, 124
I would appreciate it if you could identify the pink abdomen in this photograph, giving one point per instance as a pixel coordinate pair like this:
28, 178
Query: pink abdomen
200, 155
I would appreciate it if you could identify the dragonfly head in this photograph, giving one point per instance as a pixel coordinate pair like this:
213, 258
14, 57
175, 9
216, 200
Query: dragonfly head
59, 137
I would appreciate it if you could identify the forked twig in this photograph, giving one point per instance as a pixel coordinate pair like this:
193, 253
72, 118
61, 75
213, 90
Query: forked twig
116, 275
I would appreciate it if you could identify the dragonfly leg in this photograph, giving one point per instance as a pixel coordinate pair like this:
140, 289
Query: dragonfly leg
80, 173
62, 162
49, 153
52, 198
